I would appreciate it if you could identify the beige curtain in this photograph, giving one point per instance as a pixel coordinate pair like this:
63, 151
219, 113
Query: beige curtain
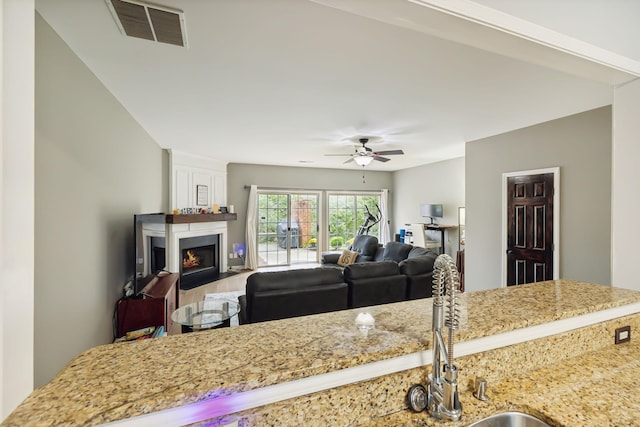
384, 223
251, 235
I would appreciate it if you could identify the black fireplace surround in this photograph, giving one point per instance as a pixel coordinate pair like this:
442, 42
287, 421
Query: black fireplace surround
199, 259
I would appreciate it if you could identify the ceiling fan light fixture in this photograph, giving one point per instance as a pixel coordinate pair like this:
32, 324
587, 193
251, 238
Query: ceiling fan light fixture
362, 160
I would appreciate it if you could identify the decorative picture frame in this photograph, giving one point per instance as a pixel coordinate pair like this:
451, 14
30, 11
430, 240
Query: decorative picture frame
223, 209
202, 195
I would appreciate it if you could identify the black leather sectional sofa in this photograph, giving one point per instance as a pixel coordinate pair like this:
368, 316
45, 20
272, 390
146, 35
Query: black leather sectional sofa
275, 295
283, 294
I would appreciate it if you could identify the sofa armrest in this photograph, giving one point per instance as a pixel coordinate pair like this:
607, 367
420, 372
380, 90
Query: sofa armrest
330, 257
242, 315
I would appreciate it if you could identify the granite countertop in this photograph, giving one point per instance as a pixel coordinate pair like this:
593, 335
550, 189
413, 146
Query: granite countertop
122, 380
596, 389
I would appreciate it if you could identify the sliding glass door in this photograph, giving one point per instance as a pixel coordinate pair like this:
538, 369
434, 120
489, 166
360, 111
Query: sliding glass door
287, 228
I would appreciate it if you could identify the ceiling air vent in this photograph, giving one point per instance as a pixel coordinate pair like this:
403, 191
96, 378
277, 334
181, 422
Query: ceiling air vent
148, 21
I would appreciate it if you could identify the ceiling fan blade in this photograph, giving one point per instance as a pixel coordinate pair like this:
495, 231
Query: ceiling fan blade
389, 152
348, 161
342, 155
380, 159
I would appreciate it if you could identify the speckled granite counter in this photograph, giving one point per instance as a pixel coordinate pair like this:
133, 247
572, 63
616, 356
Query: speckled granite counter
596, 389
119, 381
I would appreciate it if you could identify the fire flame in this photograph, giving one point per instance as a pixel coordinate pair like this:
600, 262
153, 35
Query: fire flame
190, 260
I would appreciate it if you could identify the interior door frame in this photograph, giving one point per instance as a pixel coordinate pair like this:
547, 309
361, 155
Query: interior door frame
556, 218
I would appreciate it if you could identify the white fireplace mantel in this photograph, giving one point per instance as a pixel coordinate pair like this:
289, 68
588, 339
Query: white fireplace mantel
174, 228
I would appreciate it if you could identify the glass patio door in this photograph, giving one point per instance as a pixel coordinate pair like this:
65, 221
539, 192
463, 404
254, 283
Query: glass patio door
287, 228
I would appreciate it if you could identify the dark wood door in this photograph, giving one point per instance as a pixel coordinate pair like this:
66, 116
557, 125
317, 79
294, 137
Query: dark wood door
530, 229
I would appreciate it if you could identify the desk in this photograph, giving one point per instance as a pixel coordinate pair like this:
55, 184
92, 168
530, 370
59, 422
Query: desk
442, 229
205, 314
420, 239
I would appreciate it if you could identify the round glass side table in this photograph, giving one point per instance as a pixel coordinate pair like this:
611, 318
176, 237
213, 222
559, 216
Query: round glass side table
212, 313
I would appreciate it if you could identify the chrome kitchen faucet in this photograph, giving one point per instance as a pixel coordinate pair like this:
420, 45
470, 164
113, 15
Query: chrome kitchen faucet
441, 396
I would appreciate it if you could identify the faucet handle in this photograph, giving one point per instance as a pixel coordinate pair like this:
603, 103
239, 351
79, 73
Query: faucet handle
480, 389
418, 398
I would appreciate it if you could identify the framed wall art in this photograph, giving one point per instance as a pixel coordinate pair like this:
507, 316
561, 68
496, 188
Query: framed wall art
202, 195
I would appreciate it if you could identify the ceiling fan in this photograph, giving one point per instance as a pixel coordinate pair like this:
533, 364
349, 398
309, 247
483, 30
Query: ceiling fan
365, 155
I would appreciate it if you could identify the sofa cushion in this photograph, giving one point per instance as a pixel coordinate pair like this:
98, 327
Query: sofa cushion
292, 279
418, 251
348, 257
379, 253
280, 294
366, 246
420, 286
396, 251
371, 269
285, 303
330, 257
375, 283
418, 265
376, 291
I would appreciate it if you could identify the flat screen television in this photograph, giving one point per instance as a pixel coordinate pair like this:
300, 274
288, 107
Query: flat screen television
431, 211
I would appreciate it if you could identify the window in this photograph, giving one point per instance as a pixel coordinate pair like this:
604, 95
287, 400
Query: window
347, 212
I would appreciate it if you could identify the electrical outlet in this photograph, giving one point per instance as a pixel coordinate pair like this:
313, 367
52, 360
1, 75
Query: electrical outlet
623, 334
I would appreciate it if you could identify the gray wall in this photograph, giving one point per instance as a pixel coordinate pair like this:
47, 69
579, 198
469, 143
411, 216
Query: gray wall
239, 175
581, 146
441, 182
95, 168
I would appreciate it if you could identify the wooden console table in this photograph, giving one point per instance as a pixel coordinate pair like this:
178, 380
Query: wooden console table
164, 287
159, 300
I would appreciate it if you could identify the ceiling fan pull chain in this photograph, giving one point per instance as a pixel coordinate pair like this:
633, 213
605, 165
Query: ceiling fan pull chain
363, 181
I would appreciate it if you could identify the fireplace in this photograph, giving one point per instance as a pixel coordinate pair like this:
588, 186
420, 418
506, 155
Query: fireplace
199, 260
191, 245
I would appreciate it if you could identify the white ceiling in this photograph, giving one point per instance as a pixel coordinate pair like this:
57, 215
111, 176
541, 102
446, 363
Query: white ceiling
282, 82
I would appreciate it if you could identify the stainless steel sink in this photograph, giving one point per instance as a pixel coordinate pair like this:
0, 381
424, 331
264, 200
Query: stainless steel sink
510, 419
